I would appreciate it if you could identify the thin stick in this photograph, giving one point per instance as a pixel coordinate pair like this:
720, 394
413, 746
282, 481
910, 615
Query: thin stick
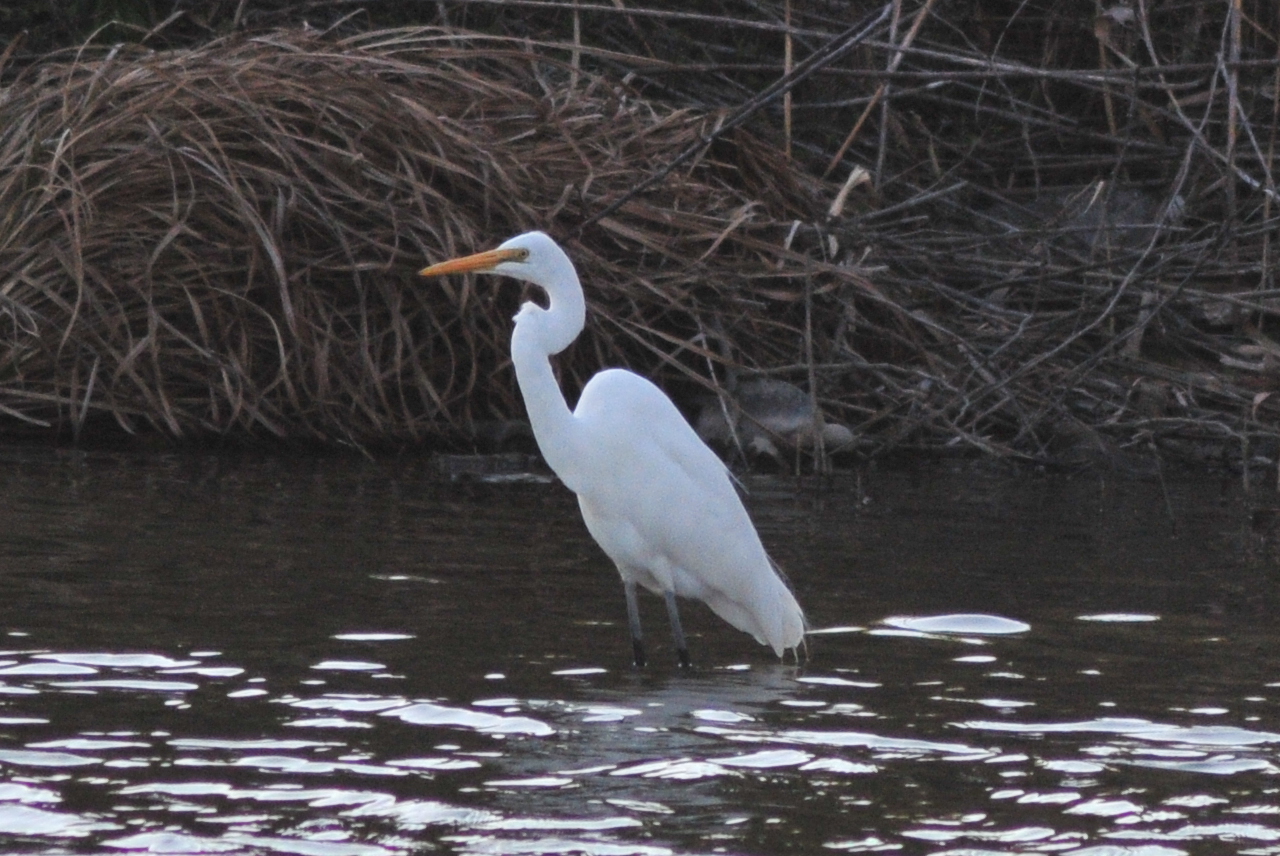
828, 53
786, 70
881, 89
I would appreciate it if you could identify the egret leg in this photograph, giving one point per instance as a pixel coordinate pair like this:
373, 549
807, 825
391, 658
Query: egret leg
677, 632
633, 618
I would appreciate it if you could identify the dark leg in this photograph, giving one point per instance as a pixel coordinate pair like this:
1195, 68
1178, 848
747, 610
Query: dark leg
633, 618
677, 632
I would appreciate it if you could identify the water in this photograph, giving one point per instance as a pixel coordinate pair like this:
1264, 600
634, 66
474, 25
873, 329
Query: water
221, 654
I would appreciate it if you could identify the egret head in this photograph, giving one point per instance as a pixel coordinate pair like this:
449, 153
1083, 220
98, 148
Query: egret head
532, 257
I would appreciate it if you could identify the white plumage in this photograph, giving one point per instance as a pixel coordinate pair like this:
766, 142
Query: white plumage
658, 501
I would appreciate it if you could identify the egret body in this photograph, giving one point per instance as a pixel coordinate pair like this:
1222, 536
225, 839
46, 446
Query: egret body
656, 499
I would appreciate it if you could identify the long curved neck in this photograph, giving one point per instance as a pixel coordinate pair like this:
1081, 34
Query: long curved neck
539, 333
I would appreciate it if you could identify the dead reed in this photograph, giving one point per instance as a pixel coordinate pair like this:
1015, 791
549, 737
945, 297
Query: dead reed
1068, 216
1009, 227
223, 239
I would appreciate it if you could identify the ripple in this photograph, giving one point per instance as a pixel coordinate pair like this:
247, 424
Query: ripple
967, 624
1195, 832
14, 792
998, 703
1119, 617
348, 666
326, 722
767, 759
36, 758
1211, 735
681, 768
435, 763
1105, 808
207, 671
293, 764
1116, 850
172, 842
310, 848
608, 713
840, 765
6, 689
257, 745
1223, 765
426, 713
130, 684
531, 782
1054, 798
417, 814
870, 844
178, 788
1078, 767
642, 806
25, 820
48, 669
1205, 735
119, 661
579, 825
831, 681
1018, 835
579, 672
84, 744
347, 703
486, 846
725, 716
877, 742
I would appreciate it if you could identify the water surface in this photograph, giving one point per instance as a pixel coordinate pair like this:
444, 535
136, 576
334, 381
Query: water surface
231, 654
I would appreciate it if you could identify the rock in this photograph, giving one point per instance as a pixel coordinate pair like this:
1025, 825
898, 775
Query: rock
768, 413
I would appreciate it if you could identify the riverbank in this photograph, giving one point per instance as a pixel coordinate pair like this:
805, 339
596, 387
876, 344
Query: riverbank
1055, 247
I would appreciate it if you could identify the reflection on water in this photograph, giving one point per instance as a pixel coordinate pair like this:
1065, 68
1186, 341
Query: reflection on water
204, 654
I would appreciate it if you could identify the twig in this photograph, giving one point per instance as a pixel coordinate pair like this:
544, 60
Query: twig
830, 52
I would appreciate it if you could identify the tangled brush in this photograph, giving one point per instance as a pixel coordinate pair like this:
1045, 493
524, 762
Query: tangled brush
1044, 236
222, 240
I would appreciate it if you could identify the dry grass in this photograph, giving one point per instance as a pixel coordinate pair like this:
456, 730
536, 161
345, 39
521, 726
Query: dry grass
1068, 215
223, 239
1055, 238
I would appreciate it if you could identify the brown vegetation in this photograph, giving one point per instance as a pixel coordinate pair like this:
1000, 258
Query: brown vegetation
1042, 232
224, 239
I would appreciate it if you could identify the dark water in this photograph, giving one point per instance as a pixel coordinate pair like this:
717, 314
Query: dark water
227, 655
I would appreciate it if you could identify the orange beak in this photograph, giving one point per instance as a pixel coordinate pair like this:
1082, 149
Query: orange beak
480, 262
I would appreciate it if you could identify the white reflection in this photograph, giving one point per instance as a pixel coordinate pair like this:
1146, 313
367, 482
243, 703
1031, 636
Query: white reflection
974, 624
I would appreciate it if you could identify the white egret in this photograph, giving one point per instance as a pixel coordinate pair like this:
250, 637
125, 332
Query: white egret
653, 495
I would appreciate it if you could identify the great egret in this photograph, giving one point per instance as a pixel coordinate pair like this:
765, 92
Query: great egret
655, 498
